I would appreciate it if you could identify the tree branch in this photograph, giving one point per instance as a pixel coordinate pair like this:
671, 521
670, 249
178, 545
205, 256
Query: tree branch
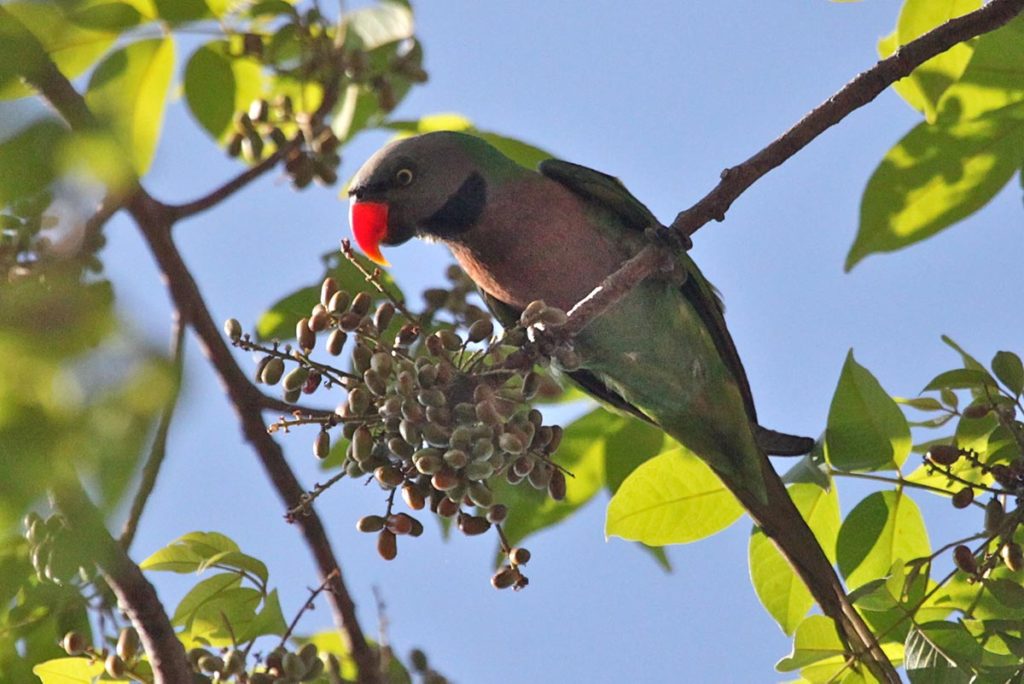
735, 180
229, 188
158, 450
135, 595
155, 220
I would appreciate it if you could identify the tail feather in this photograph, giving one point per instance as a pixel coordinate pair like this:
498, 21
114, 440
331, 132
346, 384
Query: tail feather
783, 524
781, 444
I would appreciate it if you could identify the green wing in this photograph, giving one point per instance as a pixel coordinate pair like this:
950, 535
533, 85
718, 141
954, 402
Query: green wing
609, 193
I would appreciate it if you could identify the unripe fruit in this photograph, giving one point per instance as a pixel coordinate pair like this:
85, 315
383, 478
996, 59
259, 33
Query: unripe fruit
444, 480
322, 444
291, 396
446, 508
497, 514
531, 314
328, 289
963, 498
382, 318
387, 545
127, 643
556, 438
362, 444
293, 666
480, 330
504, 578
358, 401
519, 556
456, 458
361, 303
964, 559
375, 383
413, 498
511, 443
73, 643
370, 523
211, 663
557, 485
473, 524
944, 454
339, 302
994, 515
114, 666
540, 476
478, 470
388, 476
480, 495
233, 329
336, 341
399, 447
295, 379
400, 523
273, 371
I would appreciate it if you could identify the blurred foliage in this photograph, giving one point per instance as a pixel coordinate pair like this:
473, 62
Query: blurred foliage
78, 398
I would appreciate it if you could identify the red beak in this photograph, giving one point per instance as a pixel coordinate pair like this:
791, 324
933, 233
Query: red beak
369, 222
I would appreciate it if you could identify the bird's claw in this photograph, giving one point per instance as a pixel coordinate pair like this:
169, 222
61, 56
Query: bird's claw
671, 240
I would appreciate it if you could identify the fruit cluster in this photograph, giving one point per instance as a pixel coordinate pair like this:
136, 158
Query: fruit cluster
436, 415
54, 550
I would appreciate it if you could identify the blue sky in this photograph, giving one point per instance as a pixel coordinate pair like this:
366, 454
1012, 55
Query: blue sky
663, 95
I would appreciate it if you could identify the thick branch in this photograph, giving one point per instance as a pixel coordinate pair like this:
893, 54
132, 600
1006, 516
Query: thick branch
735, 180
135, 595
155, 220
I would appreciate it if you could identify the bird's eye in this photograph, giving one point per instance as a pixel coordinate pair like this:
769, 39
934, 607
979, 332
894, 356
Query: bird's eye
403, 176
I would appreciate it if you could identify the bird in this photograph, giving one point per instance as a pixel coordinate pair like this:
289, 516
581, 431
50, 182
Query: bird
661, 353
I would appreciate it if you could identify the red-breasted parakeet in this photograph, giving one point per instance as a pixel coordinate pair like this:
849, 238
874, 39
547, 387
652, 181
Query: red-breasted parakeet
662, 353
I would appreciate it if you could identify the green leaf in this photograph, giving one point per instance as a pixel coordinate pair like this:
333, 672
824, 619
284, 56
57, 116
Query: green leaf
1008, 592
932, 78
960, 378
969, 361
203, 592
1010, 370
330, 642
866, 429
113, 17
71, 47
68, 671
815, 640
182, 11
28, 160
994, 77
627, 447
583, 454
197, 551
940, 652
935, 176
673, 498
921, 403
883, 527
218, 84
781, 592
128, 91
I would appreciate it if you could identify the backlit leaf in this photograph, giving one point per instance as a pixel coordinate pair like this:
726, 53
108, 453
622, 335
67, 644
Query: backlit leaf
866, 429
883, 527
217, 85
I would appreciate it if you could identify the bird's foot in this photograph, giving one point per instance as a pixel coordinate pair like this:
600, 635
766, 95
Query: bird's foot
668, 239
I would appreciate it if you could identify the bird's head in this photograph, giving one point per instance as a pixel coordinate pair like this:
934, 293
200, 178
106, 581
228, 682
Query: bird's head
433, 185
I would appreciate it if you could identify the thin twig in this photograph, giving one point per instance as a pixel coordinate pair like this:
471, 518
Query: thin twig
308, 605
735, 180
158, 450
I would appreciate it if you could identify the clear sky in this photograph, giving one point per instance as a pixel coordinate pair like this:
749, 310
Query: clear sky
663, 95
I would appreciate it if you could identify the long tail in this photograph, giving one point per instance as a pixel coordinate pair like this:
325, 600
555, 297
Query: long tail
784, 525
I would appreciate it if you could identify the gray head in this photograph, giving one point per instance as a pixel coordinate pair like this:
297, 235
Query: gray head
431, 185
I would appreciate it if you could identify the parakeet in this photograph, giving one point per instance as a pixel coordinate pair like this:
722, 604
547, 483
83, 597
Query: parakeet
662, 353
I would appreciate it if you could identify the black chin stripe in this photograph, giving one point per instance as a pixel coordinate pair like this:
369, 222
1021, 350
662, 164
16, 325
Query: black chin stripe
461, 211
